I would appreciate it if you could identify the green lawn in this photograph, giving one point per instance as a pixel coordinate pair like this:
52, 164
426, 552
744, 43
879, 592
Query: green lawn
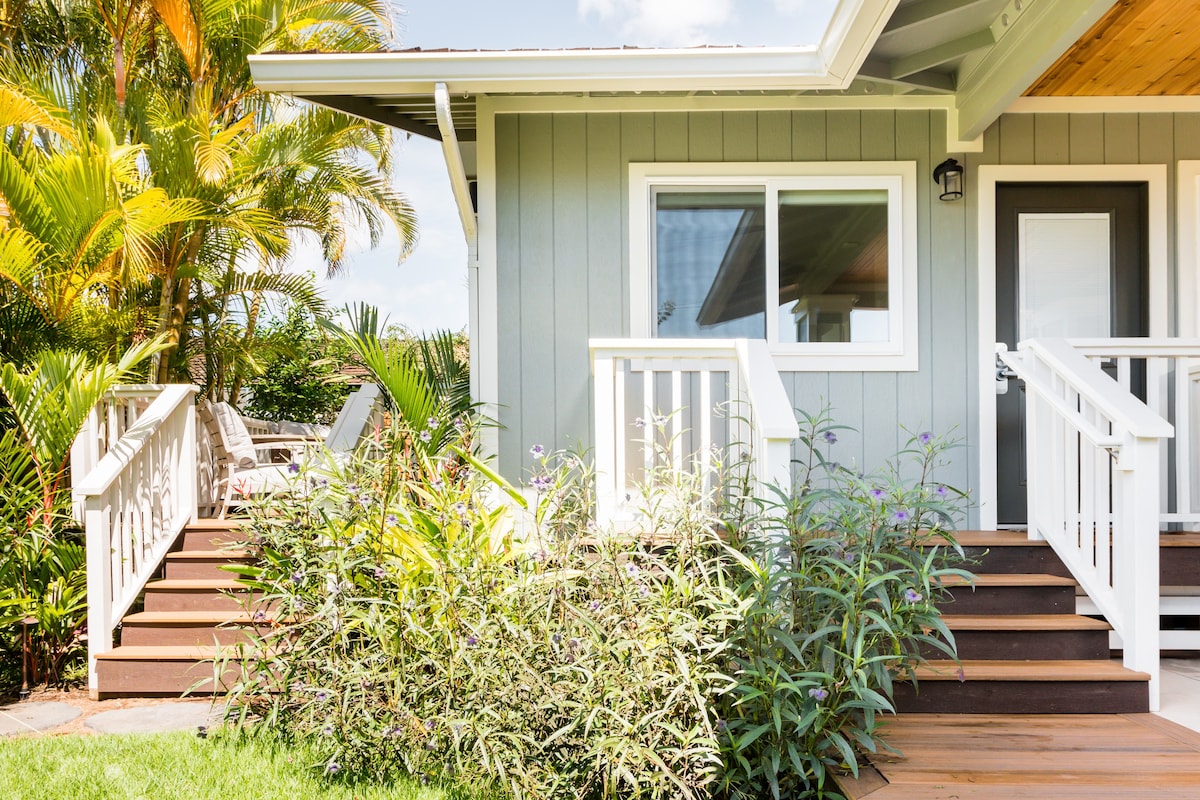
176, 765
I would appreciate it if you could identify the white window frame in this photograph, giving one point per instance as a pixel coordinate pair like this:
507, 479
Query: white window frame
899, 178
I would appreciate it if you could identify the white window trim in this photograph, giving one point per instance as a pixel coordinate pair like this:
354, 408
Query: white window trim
899, 354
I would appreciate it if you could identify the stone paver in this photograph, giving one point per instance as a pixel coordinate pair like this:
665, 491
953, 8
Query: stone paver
18, 718
177, 716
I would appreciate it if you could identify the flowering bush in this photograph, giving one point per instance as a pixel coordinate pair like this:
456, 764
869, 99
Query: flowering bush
738, 653
421, 636
841, 595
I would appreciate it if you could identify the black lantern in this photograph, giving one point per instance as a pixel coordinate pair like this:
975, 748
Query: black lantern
948, 175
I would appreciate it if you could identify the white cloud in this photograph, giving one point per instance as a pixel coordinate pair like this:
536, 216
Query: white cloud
661, 23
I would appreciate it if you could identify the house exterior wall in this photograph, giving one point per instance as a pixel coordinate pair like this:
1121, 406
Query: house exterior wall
562, 253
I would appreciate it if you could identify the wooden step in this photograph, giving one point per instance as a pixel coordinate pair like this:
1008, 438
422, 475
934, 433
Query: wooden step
164, 671
205, 564
211, 534
999, 686
1009, 551
1010, 593
192, 628
1030, 757
1026, 636
196, 595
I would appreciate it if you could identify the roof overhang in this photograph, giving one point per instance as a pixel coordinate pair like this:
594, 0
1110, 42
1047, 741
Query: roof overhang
397, 88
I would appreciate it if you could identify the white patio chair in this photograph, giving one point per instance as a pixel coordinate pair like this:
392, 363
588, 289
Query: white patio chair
246, 465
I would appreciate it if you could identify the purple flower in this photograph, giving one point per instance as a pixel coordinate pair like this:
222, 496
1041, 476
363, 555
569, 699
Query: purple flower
542, 483
594, 605
460, 508
425, 436
925, 438
830, 437
537, 451
432, 422
321, 696
639, 423
437, 484
297, 577
877, 494
430, 724
293, 468
460, 423
819, 693
260, 616
332, 768
631, 569
472, 640
900, 516
556, 638
941, 491
722, 726
912, 596
380, 573
327, 730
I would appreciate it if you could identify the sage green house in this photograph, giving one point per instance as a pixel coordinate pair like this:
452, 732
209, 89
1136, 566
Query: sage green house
652, 230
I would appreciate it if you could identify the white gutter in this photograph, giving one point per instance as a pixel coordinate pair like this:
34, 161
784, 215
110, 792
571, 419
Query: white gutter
520, 71
454, 164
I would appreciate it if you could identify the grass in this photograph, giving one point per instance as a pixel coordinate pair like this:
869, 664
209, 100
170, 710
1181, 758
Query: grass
179, 765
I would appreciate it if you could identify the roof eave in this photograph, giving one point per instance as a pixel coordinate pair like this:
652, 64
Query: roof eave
416, 73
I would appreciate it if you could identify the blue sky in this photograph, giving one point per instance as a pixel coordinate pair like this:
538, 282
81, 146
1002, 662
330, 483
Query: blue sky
429, 289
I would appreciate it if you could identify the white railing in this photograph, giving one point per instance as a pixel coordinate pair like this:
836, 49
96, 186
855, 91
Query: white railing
1167, 370
135, 501
1093, 477
683, 398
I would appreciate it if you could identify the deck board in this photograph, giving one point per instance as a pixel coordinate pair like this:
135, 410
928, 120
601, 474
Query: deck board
1016, 756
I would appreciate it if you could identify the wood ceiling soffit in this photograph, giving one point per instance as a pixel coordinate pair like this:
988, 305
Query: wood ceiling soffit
1140, 47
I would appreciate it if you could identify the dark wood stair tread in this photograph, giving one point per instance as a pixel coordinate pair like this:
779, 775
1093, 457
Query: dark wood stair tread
1008, 579
194, 618
191, 584
166, 653
1028, 671
208, 555
1023, 622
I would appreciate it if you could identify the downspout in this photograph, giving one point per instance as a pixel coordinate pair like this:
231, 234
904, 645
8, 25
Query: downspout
466, 215
458, 175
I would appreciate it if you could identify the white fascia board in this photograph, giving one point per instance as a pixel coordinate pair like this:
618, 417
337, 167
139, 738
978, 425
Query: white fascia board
852, 32
413, 73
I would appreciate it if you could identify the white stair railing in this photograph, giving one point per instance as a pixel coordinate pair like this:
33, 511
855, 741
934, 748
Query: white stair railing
1093, 477
1169, 370
135, 501
687, 397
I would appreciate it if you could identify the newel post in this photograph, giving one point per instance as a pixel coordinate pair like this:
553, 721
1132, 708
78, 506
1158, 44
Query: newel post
99, 583
604, 377
1135, 555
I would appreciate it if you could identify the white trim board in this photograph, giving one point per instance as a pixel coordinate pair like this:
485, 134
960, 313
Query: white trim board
1187, 253
485, 338
1103, 105
1155, 176
750, 101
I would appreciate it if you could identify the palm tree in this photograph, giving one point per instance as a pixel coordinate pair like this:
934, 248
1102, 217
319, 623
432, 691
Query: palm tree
172, 80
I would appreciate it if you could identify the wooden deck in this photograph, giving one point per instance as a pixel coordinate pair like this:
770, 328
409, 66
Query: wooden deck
1018, 756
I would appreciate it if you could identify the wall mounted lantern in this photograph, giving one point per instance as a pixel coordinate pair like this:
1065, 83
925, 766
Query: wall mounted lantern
948, 175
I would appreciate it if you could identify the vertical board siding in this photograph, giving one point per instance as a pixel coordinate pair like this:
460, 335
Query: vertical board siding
563, 252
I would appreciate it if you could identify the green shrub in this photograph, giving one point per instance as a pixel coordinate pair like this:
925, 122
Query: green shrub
428, 630
847, 572
424, 638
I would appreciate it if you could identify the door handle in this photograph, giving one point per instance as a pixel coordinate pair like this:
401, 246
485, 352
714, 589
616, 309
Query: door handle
1004, 374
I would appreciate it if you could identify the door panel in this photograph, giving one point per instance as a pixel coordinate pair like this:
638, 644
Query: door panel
1071, 262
